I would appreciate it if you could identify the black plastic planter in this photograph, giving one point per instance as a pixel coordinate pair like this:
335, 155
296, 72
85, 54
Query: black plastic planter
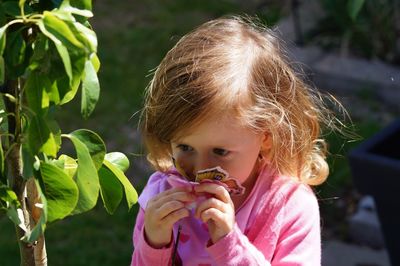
375, 165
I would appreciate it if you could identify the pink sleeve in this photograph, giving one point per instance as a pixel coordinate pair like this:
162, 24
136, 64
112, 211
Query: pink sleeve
236, 249
143, 253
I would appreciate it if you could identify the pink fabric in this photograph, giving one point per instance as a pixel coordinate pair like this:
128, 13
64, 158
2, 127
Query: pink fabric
278, 224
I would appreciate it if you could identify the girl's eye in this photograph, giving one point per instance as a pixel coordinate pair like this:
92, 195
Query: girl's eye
184, 147
220, 152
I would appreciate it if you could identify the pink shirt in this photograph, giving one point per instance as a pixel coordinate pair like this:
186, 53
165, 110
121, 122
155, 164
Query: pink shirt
278, 224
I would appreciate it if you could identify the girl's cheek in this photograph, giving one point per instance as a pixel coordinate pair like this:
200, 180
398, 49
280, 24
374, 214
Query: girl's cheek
241, 171
185, 163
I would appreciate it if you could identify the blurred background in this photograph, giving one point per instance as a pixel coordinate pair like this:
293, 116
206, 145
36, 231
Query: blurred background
350, 49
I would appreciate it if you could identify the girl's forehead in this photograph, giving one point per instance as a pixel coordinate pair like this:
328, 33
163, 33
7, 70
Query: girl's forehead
214, 125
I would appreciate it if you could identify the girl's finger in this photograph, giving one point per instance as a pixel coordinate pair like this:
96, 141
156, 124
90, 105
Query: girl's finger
168, 208
171, 191
210, 203
182, 196
178, 196
213, 214
217, 190
175, 216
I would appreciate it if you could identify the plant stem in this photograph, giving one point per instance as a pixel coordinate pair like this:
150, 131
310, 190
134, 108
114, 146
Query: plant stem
14, 162
40, 252
33, 198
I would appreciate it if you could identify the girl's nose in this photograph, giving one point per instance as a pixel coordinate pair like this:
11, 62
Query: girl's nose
189, 166
202, 163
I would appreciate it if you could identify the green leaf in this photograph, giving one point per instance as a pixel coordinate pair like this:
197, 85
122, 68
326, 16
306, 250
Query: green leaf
83, 33
60, 191
60, 30
110, 189
64, 54
3, 38
87, 36
2, 70
40, 226
3, 177
67, 89
15, 54
71, 50
82, 4
16, 215
42, 137
70, 165
90, 90
95, 62
54, 127
9, 199
65, 16
41, 55
94, 144
53, 93
8, 196
86, 178
119, 160
130, 192
65, 6
354, 8
47, 33
36, 87
61, 49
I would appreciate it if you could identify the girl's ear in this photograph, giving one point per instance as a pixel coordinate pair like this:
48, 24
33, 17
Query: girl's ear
266, 143
266, 146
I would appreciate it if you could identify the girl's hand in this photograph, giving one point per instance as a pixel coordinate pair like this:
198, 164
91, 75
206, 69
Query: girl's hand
162, 212
218, 211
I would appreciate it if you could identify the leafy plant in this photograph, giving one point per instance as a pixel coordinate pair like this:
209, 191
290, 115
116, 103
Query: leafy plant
47, 54
368, 28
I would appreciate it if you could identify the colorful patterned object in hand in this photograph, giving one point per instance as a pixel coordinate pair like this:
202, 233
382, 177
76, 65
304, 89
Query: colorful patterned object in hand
215, 175
220, 176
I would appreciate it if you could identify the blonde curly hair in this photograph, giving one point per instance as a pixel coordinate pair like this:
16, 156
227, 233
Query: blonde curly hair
235, 64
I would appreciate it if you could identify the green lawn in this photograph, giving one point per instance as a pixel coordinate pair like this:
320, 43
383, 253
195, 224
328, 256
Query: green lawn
93, 238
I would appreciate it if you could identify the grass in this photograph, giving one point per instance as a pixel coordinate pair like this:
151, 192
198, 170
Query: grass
93, 238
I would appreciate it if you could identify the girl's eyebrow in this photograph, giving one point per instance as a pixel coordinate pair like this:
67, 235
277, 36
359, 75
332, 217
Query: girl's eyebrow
177, 143
177, 140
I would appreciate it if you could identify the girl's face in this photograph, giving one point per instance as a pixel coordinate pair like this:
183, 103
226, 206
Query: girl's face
220, 140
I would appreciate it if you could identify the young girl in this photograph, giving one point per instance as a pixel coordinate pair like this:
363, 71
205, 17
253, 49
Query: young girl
225, 101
